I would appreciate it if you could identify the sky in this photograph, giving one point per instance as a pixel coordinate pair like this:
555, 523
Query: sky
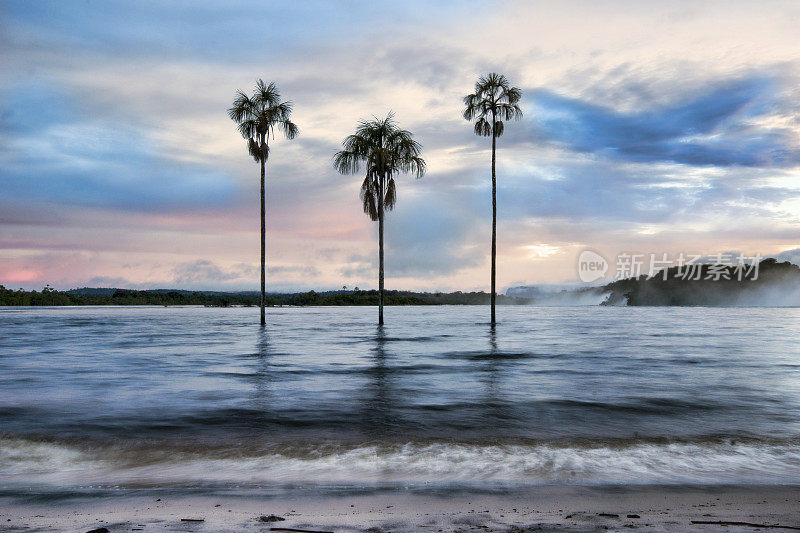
648, 127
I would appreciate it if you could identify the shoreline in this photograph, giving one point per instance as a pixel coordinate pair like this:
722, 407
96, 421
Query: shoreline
540, 508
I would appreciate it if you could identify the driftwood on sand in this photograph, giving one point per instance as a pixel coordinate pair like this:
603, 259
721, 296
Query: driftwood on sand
748, 524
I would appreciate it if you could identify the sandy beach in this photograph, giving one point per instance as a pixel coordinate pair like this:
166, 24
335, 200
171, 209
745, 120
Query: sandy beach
548, 508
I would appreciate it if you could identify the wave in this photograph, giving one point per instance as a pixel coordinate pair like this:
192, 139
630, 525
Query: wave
30, 462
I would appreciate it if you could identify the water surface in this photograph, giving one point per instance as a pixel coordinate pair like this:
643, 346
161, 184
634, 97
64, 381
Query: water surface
196, 397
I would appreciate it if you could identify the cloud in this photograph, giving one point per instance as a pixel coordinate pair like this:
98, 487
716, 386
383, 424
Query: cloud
52, 150
216, 31
425, 237
306, 271
582, 188
718, 126
108, 282
361, 266
202, 272
793, 256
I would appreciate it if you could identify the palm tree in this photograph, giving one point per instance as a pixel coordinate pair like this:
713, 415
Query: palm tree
492, 102
257, 117
385, 150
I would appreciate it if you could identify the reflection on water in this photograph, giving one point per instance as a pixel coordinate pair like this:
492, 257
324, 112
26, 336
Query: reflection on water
636, 390
377, 410
263, 374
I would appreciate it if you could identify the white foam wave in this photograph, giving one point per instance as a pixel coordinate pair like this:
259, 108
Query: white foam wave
27, 462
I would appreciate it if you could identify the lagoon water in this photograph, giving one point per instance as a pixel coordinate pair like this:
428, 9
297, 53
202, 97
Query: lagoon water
103, 398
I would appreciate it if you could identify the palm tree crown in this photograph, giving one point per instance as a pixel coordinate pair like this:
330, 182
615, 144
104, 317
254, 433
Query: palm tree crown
385, 150
493, 101
259, 115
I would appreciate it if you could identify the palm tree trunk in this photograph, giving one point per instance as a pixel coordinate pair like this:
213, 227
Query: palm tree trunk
494, 222
263, 243
380, 253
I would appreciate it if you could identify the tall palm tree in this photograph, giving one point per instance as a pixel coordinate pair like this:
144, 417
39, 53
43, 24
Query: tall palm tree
258, 116
493, 101
384, 150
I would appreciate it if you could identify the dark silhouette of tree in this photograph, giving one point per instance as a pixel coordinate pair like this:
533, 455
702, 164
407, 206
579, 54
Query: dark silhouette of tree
384, 150
257, 117
493, 101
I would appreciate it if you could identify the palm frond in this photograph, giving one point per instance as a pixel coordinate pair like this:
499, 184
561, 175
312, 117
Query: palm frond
266, 95
346, 162
258, 150
472, 106
482, 127
248, 128
280, 111
509, 111
417, 166
241, 107
369, 194
390, 198
513, 95
253, 149
290, 130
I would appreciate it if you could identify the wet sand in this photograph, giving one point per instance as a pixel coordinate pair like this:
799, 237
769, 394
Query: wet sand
556, 508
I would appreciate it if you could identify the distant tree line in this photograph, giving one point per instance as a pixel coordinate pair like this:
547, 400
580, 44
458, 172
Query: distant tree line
161, 297
710, 285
